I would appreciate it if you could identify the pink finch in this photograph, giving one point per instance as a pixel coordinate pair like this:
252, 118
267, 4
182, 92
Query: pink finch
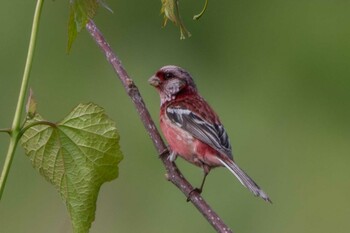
192, 128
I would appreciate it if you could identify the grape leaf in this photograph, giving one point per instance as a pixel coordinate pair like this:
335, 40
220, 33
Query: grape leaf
76, 155
170, 9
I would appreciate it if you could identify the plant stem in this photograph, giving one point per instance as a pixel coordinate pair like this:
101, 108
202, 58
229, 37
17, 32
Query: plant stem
16, 125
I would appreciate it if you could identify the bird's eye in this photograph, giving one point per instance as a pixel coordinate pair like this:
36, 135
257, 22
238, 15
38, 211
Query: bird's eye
168, 75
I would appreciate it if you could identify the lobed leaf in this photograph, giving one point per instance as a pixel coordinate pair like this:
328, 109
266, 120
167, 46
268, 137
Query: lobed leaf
76, 155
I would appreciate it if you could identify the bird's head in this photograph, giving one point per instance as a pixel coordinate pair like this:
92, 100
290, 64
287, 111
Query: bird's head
171, 81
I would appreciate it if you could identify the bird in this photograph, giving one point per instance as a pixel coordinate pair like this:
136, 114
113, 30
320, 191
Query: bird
192, 128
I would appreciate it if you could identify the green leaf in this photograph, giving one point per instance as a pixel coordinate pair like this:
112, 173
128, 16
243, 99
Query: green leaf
80, 12
76, 155
170, 9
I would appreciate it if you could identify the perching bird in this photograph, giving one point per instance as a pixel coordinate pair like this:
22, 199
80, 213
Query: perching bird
192, 128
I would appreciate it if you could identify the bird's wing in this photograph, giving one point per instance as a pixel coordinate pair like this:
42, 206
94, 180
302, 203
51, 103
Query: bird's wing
212, 134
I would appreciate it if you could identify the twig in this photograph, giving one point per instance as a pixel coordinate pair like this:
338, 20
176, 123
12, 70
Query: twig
173, 173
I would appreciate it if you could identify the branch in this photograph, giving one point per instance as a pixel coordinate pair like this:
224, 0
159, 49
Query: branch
173, 173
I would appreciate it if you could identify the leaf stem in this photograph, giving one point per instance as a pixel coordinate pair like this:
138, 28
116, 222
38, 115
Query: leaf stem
16, 125
5, 131
32, 124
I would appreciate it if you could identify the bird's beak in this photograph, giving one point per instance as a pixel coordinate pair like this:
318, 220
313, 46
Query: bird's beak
154, 81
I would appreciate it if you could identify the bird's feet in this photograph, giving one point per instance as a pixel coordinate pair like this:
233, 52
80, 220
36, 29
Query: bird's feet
172, 156
195, 190
165, 152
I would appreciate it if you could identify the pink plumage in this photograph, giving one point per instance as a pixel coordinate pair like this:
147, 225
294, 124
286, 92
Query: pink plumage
192, 128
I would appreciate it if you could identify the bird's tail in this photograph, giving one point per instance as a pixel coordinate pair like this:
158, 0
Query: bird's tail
245, 179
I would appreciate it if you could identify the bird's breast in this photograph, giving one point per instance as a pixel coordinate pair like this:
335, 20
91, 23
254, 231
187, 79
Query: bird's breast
179, 140
187, 146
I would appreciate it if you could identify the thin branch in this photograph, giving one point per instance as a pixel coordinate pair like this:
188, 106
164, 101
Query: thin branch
173, 173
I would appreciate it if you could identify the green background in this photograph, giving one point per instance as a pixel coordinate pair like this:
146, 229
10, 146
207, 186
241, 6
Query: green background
277, 73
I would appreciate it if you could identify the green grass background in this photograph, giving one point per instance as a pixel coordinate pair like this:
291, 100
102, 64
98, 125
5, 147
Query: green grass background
277, 72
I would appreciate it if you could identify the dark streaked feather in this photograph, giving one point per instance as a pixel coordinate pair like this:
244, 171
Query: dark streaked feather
212, 134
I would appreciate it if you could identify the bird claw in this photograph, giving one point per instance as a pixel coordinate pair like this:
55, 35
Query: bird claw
165, 151
172, 156
197, 190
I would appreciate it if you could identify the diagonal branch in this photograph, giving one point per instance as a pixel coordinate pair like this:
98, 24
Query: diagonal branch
173, 173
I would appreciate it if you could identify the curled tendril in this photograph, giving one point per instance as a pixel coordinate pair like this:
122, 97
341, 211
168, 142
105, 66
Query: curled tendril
197, 17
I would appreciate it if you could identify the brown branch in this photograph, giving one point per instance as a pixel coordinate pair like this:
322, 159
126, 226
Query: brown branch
173, 173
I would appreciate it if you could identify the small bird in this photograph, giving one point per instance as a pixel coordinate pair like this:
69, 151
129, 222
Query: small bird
192, 128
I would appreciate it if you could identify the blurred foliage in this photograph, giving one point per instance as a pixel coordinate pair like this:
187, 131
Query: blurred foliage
170, 10
80, 11
277, 73
79, 14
